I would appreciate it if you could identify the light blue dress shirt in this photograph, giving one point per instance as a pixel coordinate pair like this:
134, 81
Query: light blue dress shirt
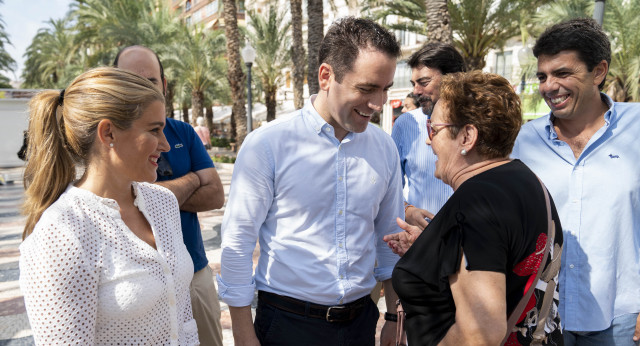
598, 200
418, 162
319, 208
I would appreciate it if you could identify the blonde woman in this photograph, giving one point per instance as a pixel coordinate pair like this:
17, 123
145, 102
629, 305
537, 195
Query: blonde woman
103, 261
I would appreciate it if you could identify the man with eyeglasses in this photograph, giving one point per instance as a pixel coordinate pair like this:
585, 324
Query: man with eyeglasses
585, 152
427, 194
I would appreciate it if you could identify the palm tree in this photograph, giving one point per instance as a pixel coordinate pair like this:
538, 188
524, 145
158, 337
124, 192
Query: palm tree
106, 26
481, 25
7, 63
297, 53
235, 76
559, 11
53, 58
268, 34
438, 21
315, 34
197, 59
411, 14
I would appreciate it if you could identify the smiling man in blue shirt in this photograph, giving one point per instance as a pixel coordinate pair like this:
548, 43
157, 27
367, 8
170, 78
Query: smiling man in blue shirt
318, 190
585, 152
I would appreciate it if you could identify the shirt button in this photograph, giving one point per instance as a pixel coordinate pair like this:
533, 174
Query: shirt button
575, 201
341, 277
341, 300
571, 266
340, 212
340, 245
327, 129
166, 270
174, 336
340, 178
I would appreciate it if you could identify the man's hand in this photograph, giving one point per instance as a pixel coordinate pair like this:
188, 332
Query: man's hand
402, 241
416, 216
388, 334
636, 335
197, 191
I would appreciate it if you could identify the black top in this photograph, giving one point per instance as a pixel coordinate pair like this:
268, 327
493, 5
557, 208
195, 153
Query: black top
499, 219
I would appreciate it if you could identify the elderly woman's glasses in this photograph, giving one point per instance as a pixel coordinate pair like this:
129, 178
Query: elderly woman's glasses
431, 131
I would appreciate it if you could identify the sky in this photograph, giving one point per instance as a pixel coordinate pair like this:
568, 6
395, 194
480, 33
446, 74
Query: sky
22, 20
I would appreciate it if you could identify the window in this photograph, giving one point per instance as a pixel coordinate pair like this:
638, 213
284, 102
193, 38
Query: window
503, 64
211, 8
187, 6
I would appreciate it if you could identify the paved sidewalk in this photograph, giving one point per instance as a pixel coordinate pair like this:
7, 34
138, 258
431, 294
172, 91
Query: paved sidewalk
14, 324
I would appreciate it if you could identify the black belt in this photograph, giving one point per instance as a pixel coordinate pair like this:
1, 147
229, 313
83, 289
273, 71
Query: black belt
335, 313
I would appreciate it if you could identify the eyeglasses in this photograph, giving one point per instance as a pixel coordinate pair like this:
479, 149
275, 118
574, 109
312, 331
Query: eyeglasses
431, 131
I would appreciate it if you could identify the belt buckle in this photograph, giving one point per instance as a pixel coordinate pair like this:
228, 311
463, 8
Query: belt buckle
328, 317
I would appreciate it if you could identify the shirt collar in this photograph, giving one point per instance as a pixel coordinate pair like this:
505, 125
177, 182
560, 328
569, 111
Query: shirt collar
317, 123
609, 116
109, 203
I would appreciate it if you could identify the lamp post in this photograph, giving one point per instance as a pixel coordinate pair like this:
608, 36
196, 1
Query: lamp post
249, 56
524, 57
598, 11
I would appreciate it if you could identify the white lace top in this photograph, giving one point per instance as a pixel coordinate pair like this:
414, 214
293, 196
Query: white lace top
88, 280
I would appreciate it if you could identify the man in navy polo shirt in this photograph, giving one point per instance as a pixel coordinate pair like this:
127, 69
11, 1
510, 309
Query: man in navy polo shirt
186, 170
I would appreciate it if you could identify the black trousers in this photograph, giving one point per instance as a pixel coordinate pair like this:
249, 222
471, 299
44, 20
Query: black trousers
277, 327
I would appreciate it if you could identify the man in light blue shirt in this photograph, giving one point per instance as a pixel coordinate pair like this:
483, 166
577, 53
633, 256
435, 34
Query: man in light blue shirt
318, 190
585, 152
427, 194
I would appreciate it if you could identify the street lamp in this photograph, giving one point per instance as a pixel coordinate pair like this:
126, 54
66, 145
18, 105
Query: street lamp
524, 58
598, 11
249, 56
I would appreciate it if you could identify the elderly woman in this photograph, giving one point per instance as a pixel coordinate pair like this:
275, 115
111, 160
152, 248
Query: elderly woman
103, 262
475, 261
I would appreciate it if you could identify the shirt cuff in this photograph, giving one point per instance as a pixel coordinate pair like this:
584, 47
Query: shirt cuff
382, 274
236, 296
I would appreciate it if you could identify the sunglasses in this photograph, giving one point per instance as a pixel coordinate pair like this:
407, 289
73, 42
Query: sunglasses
431, 131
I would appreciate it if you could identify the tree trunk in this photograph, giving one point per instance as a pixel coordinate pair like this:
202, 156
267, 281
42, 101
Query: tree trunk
168, 99
474, 62
235, 76
185, 113
197, 99
208, 116
438, 22
297, 54
314, 39
232, 127
270, 101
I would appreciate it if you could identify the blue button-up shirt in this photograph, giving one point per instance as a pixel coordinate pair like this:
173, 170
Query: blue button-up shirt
418, 162
598, 200
319, 208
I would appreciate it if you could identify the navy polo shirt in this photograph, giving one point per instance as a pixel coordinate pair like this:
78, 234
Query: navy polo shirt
187, 154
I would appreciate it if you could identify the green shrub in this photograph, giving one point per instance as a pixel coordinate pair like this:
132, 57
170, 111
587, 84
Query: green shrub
223, 158
219, 142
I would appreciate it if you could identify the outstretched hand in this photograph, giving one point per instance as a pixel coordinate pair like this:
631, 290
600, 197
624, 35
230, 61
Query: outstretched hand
402, 241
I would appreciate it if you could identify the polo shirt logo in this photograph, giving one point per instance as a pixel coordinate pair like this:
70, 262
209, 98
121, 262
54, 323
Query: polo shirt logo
178, 146
614, 156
